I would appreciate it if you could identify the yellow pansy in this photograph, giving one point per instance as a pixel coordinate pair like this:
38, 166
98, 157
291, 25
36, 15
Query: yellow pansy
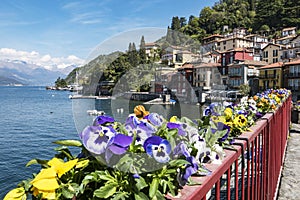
62, 167
45, 183
46, 194
16, 194
228, 113
173, 119
140, 111
217, 119
240, 121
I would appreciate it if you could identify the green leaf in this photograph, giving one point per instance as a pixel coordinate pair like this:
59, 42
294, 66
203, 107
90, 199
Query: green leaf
153, 187
140, 183
106, 191
178, 163
105, 175
74, 143
37, 161
120, 195
140, 196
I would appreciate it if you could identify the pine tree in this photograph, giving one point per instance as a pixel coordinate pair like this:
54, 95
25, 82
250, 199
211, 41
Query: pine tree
142, 51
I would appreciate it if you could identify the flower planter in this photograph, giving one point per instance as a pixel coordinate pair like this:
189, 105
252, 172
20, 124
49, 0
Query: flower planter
149, 157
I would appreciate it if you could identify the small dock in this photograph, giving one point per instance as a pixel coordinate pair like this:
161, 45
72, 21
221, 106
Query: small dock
160, 101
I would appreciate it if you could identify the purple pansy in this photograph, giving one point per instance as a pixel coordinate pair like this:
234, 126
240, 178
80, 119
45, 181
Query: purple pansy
103, 119
258, 115
155, 119
189, 170
142, 130
210, 110
179, 127
158, 148
220, 127
181, 149
132, 121
96, 138
118, 145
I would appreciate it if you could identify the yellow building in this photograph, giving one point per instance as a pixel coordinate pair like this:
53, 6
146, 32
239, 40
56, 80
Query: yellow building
271, 53
270, 76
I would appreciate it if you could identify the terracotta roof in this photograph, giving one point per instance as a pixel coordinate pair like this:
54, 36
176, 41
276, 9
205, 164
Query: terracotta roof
214, 35
255, 63
151, 44
273, 65
289, 28
286, 37
187, 66
237, 49
272, 44
293, 62
208, 65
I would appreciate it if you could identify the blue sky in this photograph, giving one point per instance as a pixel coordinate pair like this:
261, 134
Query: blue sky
60, 28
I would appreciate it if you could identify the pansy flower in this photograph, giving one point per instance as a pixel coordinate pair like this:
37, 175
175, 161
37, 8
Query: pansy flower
181, 149
220, 127
240, 121
178, 126
16, 194
96, 138
103, 119
190, 169
158, 148
140, 111
142, 130
155, 119
118, 145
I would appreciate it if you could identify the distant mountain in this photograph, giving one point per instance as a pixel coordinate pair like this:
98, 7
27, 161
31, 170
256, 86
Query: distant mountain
20, 72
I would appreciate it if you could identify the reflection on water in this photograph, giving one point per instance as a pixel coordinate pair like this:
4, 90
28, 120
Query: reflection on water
121, 108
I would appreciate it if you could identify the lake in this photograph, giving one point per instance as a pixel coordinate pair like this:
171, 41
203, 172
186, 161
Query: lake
31, 118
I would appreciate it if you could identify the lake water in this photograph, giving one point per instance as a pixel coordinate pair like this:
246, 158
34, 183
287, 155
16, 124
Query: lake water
31, 118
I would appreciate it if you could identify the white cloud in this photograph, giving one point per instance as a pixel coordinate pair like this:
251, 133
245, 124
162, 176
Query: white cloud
46, 61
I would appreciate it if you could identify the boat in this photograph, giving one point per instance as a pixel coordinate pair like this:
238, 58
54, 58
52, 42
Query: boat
95, 112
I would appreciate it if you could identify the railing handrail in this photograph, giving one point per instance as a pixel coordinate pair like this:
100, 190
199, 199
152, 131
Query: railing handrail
264, 124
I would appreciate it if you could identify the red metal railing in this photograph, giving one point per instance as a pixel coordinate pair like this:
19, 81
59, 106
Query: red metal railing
253, 169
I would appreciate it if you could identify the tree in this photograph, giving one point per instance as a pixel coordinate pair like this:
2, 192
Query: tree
142, 51
244, 89
60, 83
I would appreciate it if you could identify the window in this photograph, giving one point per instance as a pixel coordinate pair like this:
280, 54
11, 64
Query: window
275, 53
231, 59
266, 54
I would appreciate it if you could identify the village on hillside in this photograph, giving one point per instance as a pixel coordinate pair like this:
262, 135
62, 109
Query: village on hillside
228, 61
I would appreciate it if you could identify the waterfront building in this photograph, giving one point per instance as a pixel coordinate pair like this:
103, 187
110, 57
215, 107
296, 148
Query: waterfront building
258, 43
176, 56
271, 53
288, 31
233, 42
210, 43
231, 56
206, 75
292, 50
291, 77
270, 76
244, 72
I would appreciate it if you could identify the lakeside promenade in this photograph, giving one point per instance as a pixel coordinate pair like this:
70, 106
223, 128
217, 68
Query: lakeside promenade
290, 180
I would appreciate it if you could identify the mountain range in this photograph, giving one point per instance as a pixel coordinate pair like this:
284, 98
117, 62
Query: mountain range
20, 72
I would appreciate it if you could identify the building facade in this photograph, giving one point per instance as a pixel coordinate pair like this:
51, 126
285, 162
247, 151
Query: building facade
270, 76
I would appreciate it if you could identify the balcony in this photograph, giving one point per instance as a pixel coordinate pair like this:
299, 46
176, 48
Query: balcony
291, 75
234, 74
